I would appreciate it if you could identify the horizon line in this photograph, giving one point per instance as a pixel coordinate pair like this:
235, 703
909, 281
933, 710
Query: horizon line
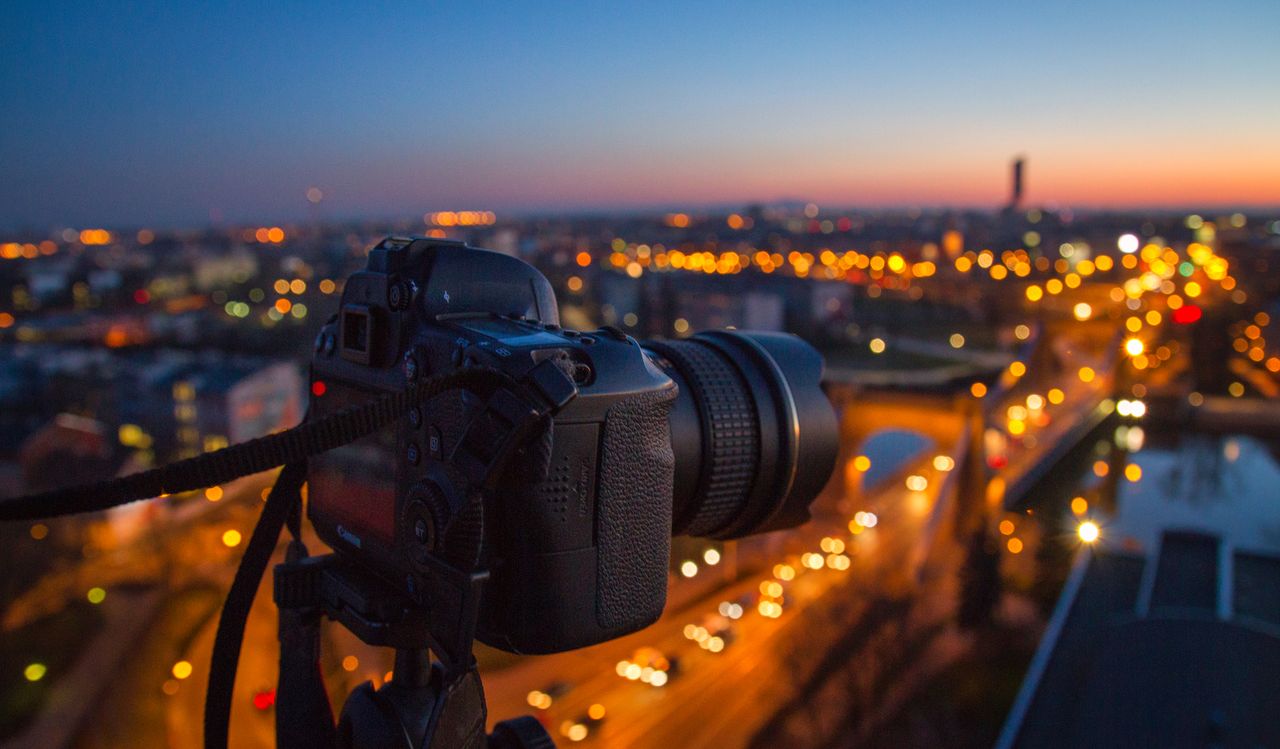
643, 209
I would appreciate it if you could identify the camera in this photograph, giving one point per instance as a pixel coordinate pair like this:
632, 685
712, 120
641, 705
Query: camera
721, 435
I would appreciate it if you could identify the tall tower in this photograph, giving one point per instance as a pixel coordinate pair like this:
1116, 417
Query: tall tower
1015, 198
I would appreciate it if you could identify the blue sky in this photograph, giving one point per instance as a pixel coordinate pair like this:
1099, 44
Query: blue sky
169, 114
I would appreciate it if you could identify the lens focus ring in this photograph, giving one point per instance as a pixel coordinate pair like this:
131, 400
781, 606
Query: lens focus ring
733, 442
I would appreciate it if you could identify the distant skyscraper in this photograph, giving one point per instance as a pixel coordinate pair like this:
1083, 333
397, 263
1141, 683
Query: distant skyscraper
1015, 199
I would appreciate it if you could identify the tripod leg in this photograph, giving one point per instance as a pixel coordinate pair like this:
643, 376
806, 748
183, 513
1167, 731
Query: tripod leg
304, 718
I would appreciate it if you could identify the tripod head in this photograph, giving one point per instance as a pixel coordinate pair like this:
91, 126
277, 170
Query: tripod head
427, 703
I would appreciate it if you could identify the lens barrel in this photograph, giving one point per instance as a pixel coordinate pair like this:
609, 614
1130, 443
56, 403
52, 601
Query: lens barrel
754, 436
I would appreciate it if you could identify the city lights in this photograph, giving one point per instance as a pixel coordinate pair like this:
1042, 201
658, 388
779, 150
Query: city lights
728, 609
1047, 316
461, 218
1072, 350
771, 588
1131, 408
95, 237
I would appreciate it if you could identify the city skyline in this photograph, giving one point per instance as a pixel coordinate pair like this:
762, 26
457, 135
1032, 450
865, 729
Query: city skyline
182, 117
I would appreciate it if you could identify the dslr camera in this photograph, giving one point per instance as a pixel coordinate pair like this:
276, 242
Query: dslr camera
720, 435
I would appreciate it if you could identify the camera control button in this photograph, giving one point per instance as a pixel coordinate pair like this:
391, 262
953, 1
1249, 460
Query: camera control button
413, 454
330, 343
588, 339
410, 366
415, 417
398, 295
570, 333
425, 517
435, 443
614, 332
553, 383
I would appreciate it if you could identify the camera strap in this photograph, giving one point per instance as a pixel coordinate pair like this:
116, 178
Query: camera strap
482, 449
254, 456
282, 502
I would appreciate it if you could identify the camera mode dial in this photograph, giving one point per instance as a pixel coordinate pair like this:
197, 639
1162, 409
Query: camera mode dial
426, 517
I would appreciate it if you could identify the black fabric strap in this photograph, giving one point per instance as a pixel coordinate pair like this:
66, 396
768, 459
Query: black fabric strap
290, 446
284, 500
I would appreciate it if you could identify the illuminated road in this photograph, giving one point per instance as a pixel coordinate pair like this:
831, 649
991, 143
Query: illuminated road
183, 542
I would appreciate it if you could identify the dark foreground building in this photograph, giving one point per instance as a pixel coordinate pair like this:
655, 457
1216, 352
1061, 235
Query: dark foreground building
1176, 648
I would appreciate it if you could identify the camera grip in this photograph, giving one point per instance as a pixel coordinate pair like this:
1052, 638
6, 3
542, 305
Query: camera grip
633, 521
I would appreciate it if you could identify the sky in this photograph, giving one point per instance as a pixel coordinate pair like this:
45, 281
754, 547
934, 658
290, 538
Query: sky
184, 114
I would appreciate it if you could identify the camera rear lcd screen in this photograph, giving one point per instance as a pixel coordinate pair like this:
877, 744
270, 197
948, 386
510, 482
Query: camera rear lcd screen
354, 486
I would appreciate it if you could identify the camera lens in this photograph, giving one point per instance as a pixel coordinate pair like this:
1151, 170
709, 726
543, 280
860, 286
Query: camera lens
754, 436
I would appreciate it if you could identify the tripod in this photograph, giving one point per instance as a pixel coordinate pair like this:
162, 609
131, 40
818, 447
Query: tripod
426, 704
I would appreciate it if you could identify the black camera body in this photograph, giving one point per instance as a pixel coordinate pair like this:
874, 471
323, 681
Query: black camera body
721, 435
577, 539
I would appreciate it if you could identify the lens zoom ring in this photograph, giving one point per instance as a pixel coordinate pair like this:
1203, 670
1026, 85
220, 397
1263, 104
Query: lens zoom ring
732, 453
